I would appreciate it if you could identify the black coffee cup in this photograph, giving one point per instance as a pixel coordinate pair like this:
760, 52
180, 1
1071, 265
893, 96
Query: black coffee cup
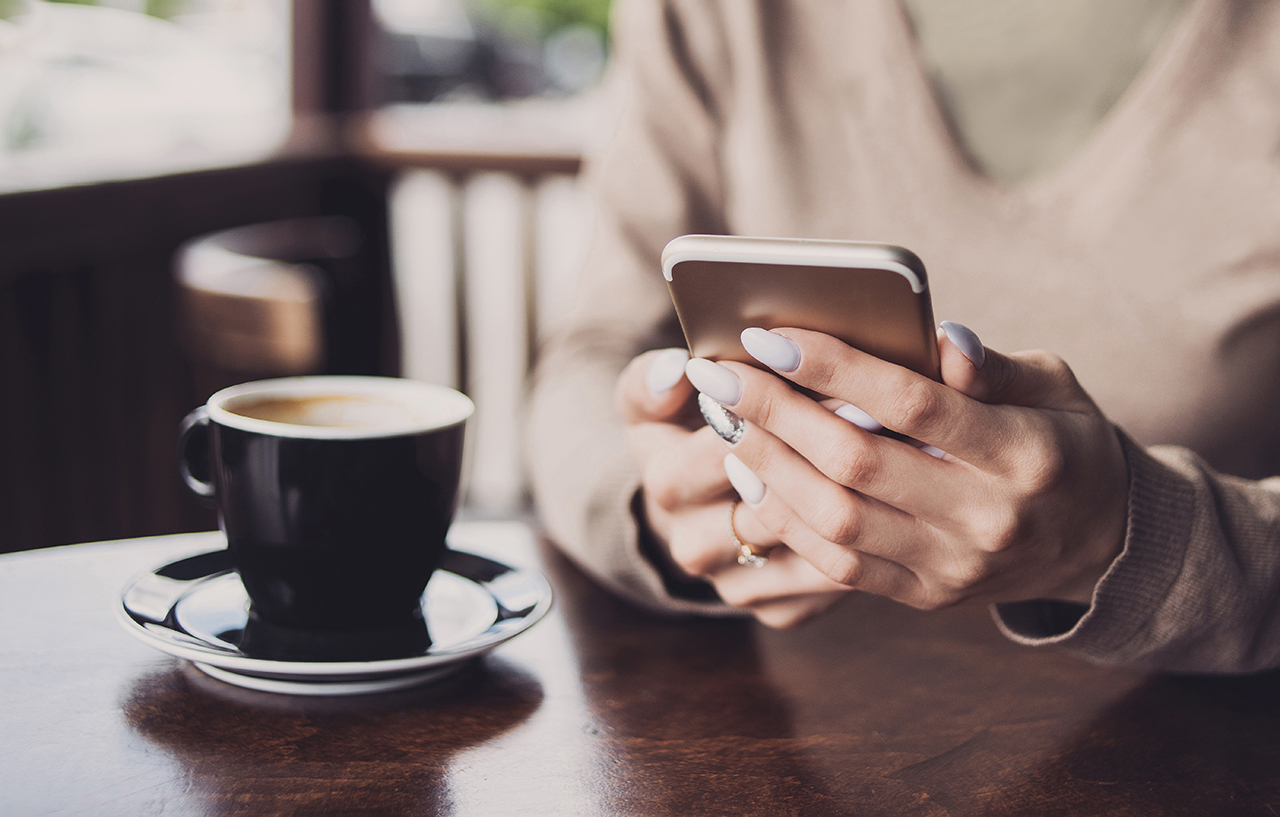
335, 494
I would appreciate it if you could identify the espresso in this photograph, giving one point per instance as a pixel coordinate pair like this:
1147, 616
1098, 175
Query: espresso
331, 411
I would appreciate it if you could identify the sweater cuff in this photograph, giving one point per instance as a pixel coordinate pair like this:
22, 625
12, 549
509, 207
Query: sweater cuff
678, 584
1161, 505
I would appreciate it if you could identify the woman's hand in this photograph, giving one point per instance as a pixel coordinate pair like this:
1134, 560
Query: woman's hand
1029, 501
687, 498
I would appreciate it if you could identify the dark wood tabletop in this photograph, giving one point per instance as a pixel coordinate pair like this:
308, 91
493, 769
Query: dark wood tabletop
603, 709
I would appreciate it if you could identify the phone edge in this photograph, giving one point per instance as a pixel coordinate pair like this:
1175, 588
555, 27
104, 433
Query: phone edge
795, 251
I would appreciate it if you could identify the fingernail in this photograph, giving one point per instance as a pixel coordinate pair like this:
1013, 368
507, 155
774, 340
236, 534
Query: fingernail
744, 480
714, 380
933, 451
966, 341
771, 349
666, 370
859, 418
728, 425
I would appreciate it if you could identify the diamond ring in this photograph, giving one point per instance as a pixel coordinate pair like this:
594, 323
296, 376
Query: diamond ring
746, 556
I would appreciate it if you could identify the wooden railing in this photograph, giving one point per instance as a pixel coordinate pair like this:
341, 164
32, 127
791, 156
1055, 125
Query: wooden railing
489, 226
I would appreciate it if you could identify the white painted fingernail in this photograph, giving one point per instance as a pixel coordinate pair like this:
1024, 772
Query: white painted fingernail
859, 418
744, 480
771, 349
931, 450
714, 380
966, 341
666, 370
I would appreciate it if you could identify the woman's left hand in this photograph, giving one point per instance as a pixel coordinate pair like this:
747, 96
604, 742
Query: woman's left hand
1028, 502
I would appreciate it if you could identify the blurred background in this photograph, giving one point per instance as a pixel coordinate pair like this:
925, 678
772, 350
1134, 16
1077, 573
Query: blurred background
199, 192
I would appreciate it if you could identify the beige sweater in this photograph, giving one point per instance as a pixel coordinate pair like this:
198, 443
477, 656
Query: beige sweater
1150, 260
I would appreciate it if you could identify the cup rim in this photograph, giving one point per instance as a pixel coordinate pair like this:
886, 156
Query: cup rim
450, 407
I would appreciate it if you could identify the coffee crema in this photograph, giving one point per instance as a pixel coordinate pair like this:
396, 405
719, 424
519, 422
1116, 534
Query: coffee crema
324, 410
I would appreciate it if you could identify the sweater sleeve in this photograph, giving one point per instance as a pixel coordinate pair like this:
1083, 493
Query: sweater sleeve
1197, 585
658, 178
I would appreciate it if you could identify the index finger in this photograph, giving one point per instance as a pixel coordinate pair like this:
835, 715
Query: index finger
900, 399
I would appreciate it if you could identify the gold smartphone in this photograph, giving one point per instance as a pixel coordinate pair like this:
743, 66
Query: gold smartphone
874, 297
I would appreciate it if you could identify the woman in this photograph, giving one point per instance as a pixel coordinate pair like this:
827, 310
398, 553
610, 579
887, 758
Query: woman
1091, 504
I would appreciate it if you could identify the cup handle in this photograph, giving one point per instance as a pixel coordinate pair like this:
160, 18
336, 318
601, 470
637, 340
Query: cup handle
193, 453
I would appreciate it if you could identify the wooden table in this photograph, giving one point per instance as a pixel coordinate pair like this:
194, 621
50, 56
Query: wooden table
602, 709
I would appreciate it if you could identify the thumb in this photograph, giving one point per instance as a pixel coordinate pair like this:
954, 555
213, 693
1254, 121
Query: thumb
653, 388
1033, 379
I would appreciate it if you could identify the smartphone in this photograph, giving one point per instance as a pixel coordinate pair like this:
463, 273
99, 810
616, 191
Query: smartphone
874, 297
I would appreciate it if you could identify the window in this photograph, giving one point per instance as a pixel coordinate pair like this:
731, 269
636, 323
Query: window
91, 91
451, 50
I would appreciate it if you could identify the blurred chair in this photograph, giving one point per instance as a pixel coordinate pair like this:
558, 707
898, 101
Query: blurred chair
261, 300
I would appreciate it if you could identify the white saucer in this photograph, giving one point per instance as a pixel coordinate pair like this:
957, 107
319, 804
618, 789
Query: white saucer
196, 608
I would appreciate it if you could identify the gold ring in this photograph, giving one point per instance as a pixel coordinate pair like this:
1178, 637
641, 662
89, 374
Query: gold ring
746, 556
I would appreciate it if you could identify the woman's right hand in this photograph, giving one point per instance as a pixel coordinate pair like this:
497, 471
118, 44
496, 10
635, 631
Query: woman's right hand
687, 499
